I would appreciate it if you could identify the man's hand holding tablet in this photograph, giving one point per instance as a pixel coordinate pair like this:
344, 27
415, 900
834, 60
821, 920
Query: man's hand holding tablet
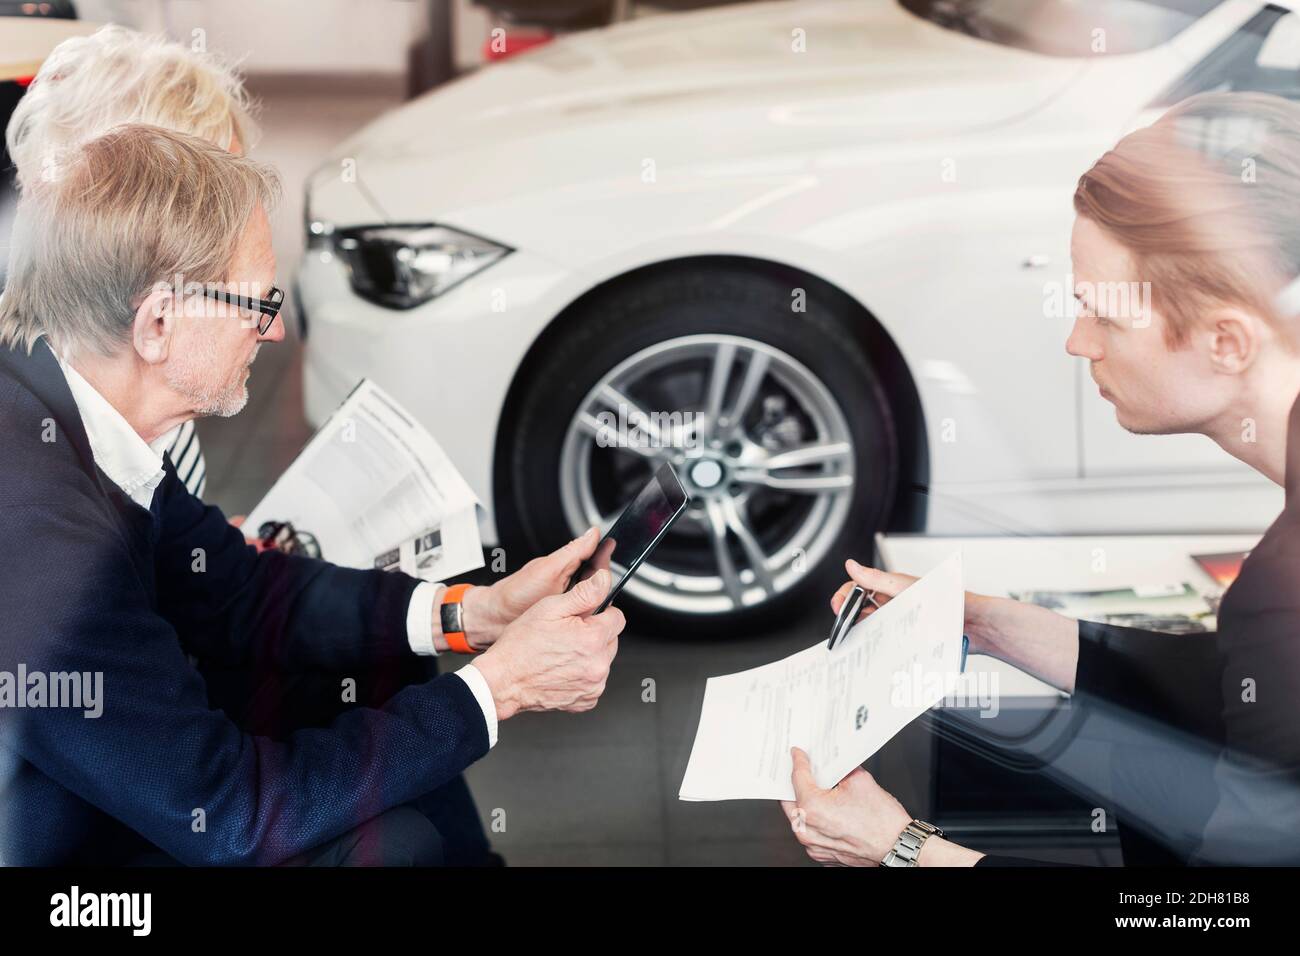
638, 529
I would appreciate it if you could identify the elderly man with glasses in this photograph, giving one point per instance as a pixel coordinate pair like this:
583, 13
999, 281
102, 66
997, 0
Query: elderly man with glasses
127, 314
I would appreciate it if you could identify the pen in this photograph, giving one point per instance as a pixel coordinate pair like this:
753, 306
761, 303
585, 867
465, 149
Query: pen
848, 615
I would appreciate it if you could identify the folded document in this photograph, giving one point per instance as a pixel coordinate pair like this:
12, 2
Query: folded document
377, 491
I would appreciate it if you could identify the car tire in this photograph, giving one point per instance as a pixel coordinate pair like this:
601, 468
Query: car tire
811, 356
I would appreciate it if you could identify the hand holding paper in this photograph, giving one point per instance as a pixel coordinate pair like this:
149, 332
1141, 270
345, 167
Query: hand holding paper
840, 706
854, 823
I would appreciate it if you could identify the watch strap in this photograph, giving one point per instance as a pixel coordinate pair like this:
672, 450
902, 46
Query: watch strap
907, 848
451, 611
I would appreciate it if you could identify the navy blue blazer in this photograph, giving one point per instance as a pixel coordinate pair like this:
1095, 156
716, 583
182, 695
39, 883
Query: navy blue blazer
91, 582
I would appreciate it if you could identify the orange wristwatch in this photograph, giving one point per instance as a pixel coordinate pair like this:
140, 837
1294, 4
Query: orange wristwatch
452, 612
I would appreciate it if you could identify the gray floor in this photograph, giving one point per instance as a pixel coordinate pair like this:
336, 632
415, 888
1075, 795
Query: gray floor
598, 788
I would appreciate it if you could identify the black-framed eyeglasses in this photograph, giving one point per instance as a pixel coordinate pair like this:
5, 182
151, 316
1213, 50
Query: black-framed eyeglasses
268, 307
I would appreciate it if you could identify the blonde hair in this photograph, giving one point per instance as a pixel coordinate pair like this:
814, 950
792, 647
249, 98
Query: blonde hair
1207, 203
128, 211
88, 85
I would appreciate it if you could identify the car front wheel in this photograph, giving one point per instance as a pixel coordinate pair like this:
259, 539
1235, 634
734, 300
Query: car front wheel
770, 414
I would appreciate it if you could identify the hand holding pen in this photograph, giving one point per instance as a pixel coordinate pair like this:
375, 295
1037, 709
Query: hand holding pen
868, 591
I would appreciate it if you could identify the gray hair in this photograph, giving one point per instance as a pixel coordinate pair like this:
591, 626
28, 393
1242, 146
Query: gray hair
90, 84
127, 213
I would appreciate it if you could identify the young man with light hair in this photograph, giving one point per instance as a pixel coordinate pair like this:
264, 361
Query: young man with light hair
1191, 740
90, 84
122, 573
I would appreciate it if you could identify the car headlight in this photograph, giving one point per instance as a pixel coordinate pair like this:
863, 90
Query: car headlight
404, 266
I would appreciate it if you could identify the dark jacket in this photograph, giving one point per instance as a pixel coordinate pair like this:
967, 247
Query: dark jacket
1204, 729
91, 582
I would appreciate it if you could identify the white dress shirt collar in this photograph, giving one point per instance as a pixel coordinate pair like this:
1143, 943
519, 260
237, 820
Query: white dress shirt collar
131, 463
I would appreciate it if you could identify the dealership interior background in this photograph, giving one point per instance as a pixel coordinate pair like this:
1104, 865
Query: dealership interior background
602, 788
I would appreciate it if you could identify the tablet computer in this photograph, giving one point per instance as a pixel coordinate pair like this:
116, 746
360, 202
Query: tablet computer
637, 530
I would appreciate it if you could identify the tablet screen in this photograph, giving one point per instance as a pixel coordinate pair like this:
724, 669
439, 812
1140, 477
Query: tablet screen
637, 530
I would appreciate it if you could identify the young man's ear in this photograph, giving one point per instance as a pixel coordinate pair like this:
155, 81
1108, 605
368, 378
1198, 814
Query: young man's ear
155, 322
1234, 338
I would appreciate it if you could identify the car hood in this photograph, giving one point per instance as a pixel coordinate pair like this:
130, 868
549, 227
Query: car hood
711, 86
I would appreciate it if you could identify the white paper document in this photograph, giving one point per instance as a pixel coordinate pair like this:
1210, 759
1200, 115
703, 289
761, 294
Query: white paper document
377, 491
840, 706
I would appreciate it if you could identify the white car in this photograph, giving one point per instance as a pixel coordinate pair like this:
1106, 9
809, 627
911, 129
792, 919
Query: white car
831, 236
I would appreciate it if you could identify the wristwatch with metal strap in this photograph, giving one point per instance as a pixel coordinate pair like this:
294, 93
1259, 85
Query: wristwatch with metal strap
908, 845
